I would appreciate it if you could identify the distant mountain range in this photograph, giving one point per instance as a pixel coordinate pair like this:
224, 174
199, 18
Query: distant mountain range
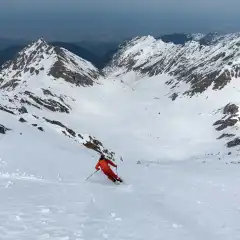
177, 92
97, 54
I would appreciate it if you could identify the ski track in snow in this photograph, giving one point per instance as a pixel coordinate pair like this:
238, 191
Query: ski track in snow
181, 201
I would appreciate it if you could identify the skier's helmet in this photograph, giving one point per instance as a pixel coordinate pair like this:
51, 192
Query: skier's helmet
102, 156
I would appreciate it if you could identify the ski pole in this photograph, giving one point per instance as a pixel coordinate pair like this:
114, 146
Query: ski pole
91, 175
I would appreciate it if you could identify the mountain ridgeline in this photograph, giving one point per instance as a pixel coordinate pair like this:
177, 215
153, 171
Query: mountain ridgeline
98, 54
47, 82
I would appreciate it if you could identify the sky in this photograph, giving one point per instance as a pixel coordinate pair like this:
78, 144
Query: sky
103, 20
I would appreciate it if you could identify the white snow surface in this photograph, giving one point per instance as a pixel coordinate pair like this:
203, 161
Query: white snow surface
179, 181
44, 194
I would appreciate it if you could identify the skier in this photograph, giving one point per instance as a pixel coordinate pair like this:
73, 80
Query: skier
103, 164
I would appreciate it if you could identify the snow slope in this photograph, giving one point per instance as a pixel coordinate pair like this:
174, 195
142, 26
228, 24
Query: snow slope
44, 194
179, 163
40, 82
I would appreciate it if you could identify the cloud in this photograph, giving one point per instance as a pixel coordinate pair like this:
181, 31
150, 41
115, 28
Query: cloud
84, 18
122, 5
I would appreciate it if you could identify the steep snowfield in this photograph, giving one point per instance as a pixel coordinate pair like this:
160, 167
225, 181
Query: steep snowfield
136, 118
44, 194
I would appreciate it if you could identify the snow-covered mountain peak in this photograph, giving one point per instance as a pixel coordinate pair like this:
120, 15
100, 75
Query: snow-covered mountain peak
38, 43
30, 60
194, 63
43, 81
41, 41
41, 75
42, 59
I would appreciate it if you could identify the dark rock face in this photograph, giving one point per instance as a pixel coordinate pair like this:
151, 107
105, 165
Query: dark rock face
226, 135
48, 103
70, 131
3, 129
225, 123
6, 110
55, 122
92, 146
60, 71
22, 110
230, 109
233, 143
230, 119
174, 96
218, 122
10, 85
40, 129
93, 143
79, 135
25, 101
47, 92
22, 120
97, 146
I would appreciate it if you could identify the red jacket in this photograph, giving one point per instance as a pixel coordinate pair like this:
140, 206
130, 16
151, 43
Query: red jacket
103, 164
